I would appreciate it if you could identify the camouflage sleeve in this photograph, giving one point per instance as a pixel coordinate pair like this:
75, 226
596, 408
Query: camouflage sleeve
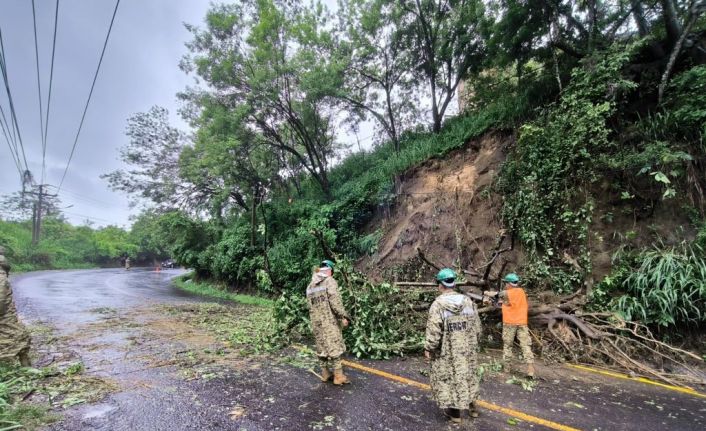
478, 325
334, 299
4, 266
435, 329
4, 290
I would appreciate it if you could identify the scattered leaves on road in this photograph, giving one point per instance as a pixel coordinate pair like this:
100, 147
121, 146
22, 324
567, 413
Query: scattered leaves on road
237, 412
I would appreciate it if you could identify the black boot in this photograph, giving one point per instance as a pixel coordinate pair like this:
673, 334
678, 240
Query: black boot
453, 414
473, 411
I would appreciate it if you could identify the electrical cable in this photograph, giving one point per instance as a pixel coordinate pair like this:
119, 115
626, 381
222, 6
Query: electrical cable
51, 79
13, 113
15, 157
39, 87
89, 218
95, 77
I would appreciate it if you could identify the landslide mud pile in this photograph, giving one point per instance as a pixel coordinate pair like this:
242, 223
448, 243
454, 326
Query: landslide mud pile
446, 209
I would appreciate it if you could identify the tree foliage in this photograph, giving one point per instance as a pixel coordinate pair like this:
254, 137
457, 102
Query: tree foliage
153, 155
261, 191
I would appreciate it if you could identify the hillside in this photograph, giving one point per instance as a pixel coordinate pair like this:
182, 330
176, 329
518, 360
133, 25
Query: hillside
445, 207
449, 208
578, 163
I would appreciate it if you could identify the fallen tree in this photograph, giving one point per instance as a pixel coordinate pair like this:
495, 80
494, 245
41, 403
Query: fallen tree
565, 331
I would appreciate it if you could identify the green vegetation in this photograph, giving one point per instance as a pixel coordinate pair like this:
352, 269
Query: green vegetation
62, 389
219, 292
609, 130
664, 286
244, 328
64, 246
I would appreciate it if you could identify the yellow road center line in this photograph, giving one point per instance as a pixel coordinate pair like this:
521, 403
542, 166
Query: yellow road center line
389, 376
480, 403
613, 374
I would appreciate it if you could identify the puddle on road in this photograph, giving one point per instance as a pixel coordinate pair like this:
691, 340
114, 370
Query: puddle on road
98, 411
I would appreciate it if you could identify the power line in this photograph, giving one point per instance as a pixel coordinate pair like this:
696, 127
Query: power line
3, 69
88, 217
15, 158
3, 119
39, 86
11, 143
51, 79
74, 195
95, 77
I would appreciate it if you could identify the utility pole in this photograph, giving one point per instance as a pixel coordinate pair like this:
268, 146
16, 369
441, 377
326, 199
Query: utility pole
37, 212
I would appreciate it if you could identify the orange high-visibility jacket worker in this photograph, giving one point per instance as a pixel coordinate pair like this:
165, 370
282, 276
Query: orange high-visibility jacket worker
514, 306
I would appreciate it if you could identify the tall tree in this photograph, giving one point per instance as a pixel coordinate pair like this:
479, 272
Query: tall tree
446, 41
153, 156
20, 206
232, 167
275, 63
378, 81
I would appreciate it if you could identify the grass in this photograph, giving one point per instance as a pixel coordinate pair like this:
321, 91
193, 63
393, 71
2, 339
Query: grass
211, 290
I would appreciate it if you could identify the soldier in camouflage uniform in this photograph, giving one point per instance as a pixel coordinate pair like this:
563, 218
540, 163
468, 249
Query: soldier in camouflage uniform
127, 263
14, 338
452, 335
325, 312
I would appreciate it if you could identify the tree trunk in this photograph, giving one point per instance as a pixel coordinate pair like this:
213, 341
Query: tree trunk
638, 15
643, 28
434, 108
391, 119
693, 15
671, 23
253, 217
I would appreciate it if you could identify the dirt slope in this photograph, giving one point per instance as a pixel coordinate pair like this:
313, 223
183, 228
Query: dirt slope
445, 208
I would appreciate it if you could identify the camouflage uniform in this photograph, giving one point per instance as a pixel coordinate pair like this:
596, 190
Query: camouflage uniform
14, 338
523, 336
127, 263
325, 311
452, 335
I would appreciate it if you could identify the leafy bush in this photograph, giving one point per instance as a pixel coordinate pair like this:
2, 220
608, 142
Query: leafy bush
544, 183
381, 322
233, 259
663, 286
686, 101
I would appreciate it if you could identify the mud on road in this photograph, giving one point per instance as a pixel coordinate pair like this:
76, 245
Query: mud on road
174, 362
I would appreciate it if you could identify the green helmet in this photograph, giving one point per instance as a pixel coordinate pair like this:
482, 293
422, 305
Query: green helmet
512, 278
447, 277
327, 263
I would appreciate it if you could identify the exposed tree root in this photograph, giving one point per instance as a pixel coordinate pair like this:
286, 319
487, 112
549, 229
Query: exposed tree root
564, 332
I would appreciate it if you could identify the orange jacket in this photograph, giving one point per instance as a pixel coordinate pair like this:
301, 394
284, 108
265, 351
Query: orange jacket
515, 306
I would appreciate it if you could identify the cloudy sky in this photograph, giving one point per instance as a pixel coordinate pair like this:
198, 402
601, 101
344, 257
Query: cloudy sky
139, 70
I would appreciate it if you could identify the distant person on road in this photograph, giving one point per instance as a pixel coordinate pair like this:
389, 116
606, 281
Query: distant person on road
452, 335
127, 263
14, 338
325, 312
514, 305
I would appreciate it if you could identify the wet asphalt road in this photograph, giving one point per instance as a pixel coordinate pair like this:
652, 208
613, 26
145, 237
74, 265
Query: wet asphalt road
67, 298
272, 395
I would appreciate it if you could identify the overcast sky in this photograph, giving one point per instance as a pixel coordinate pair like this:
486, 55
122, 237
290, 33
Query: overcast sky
140, 69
